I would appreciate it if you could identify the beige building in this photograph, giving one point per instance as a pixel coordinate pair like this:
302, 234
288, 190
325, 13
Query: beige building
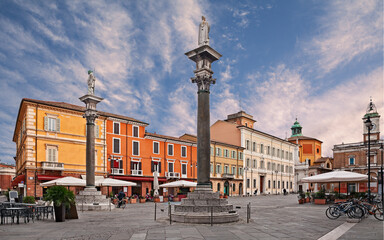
226, 167
268, 160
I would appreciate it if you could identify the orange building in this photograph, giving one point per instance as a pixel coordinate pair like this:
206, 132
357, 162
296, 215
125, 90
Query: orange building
7, 172
134, 155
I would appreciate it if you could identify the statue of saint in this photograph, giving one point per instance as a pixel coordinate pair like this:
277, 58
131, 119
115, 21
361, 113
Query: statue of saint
203, 32
91, 82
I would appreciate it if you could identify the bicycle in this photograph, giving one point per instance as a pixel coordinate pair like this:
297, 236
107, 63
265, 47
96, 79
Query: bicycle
374, 209
351, 209
121, 204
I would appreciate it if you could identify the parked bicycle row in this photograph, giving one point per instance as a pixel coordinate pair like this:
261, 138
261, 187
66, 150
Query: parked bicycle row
356, 208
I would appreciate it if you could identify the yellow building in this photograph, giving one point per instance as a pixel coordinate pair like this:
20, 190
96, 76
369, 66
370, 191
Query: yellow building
226, 172
50, 143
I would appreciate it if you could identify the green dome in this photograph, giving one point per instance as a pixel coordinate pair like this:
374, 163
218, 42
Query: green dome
296, 129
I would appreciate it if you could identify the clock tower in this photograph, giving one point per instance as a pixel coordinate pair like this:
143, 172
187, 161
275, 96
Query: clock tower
375, 119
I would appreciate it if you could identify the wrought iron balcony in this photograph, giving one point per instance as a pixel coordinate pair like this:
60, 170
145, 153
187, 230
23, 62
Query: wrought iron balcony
228, 175
52, 166
172, 175
117, 171
137, 172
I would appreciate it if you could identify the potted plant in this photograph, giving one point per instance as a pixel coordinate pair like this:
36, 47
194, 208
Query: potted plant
133, 199
320, 197
301, 197
307, 197
339, 198
225, 195
142, 199
165, 199
29, 199
61, 198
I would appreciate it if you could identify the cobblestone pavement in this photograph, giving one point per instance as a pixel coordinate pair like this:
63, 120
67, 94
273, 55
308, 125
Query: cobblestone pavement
272, 217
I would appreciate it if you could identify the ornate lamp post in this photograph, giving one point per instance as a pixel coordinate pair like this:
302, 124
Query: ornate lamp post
368, 124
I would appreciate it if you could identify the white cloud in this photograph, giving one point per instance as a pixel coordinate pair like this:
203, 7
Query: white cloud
332, 117
349, 30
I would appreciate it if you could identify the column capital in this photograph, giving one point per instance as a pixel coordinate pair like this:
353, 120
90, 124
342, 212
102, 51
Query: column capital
90, 115
203, 81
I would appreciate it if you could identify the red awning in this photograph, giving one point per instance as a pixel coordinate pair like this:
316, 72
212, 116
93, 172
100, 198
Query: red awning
18, 179
129, 178
47, 177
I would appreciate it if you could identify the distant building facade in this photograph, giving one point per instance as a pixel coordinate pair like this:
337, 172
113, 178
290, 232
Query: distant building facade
309, 161
7, 173
354, 156
268, 160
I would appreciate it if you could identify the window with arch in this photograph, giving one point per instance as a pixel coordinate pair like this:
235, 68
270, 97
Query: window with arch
233, 186
282, 168
269, 166
273, 166
247, 162
269, 183
218, 187
254, 163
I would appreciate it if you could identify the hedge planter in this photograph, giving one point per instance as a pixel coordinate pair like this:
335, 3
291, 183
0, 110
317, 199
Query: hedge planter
133, 200
307, 200
60, 213
320, 201
301, 201
340, 200
156, 199
165, 199
142, 200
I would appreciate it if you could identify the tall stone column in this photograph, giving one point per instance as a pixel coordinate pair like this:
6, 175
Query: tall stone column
199, 205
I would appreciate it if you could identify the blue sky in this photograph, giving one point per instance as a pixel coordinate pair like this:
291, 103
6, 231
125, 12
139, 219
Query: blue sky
319, 61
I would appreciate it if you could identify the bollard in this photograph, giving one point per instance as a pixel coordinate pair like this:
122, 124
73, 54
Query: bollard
82, 205
170, 214
110, 208
211, 215
247, 213
155, 211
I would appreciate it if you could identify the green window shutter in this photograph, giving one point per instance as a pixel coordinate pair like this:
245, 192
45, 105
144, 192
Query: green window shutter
46, 123
57, 125
96, 131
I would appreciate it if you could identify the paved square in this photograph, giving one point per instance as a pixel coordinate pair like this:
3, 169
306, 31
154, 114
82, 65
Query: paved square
272, 217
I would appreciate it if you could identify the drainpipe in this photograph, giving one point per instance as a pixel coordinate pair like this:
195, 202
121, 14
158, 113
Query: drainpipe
37, 119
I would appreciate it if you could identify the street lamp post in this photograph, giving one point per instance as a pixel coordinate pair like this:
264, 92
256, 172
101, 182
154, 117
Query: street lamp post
382, 176
276, 186
368, 124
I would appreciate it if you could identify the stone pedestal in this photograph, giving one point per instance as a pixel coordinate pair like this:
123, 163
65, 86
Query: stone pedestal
91, 200
197, 207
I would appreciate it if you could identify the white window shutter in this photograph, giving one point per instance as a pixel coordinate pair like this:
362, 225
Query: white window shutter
46, 123
96, 131
58, 125
53, 155
49, 155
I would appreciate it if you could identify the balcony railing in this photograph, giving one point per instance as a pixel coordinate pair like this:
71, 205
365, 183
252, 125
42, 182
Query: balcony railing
137, 172
117, 171
172, 174
227, 175
52, 166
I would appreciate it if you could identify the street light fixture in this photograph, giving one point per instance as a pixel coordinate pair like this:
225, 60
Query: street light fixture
369, 125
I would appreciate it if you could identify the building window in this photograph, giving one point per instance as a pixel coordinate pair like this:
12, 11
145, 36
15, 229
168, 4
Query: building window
170, 149
273, 166
218, 152
116, 163
116, 145
248, 183
184, 169
273, 151
211, 168
268, 166
269, 150
352, 160
287, 184
269, 183
156, 166
290, 156
51, 124
254, 183
247, 144
261, 148
282, 168
218, 187
51, 154
116, 128
254, 163
156, 147
170, 166
262, 164
211, 151
274, 184
183, 151
240, 155
254, 146
218, 169
233, 169
278, 184
278, 152
240, 171
226, 169
233, 154
290, 183
135, 148
135, 131
136, 168
226, 153
233, 187
318, 150
247, 162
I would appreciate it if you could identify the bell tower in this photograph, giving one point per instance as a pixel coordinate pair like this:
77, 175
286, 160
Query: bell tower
296, 129
374, 117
